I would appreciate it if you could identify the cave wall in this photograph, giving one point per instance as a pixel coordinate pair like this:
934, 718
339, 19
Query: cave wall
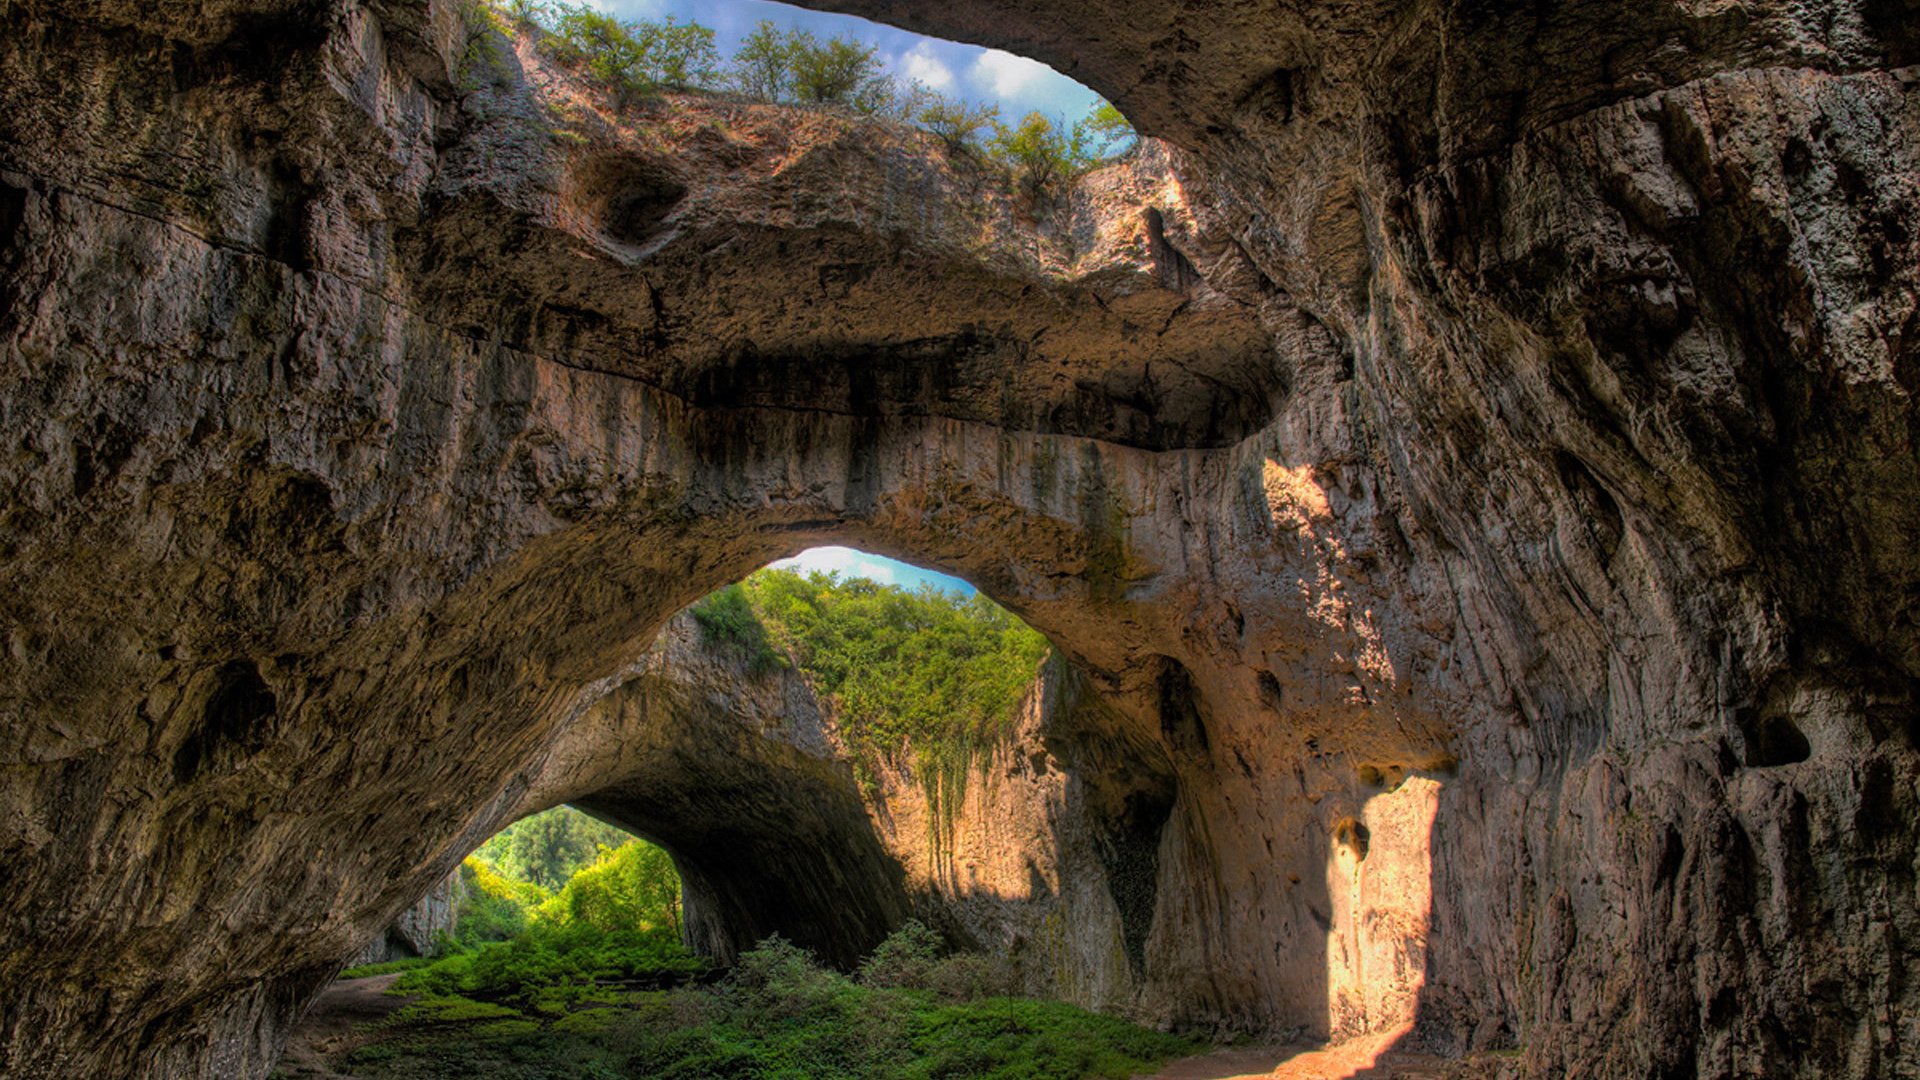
1540, 425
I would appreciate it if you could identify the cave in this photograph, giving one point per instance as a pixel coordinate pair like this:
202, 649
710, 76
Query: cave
1465, 459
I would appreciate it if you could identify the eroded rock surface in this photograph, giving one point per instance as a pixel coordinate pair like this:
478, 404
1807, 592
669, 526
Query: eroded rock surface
1529, 413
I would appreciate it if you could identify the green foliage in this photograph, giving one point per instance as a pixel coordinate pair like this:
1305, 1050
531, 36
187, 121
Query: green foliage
636, 59
495, 907
762, 66
533, 13
726, 617
795, 66
841, 71
633, 58
553, 966
904, 958
778, 1016
1044, 154
548, 848
1105, 132
957, 123
632, 887
914, 676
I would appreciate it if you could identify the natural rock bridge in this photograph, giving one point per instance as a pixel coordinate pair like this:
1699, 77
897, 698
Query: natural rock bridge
1518, 398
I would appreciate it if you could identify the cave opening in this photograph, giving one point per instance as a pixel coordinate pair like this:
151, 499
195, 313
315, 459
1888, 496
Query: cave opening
817, 770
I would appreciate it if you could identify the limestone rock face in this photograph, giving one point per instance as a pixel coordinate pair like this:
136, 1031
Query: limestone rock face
1501, 426
413, 932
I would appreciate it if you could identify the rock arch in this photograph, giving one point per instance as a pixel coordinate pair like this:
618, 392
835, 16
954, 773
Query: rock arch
1544, 429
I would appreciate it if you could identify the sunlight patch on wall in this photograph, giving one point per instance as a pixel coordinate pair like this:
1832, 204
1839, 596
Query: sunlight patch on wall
1380, 884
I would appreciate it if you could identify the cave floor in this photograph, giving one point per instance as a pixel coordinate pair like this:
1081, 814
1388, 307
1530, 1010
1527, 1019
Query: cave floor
340, 1017
333, 1026
1372, 1057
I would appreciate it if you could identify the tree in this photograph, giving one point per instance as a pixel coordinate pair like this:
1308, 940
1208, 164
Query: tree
843, 71
957, 123
763, 64
1104, 132
632, 887
547, 848
678, 55
635, 58
1040, 154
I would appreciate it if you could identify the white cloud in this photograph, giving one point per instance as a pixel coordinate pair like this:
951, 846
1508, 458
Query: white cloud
920, 63
1006, 75
843, 561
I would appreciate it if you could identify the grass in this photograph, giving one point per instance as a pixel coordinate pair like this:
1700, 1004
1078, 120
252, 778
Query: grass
776, 1016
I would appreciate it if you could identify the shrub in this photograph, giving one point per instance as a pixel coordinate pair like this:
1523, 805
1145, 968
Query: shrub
904, 958
971, 977
1104, 132
762, 65
919, 676
727, 617
554, 966
781, 980
495, 907
1041, 154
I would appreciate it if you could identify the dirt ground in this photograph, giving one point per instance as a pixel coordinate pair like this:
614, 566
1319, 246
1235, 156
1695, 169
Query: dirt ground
328, 1028
1373, 1057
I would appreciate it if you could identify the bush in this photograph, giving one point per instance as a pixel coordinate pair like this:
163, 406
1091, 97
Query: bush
495, 907
904, 959
796, 66
914, 676
781, 980
554, 965
971, 977
727, 617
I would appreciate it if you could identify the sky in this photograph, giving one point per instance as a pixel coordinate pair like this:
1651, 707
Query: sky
985, 76
847, 562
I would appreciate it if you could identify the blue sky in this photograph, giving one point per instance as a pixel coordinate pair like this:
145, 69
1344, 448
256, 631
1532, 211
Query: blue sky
847, 562
988, 76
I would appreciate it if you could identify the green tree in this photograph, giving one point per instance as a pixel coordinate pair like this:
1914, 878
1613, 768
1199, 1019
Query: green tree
843, 71
762, 65
677, 55
957, 123
1104, 132
634, 58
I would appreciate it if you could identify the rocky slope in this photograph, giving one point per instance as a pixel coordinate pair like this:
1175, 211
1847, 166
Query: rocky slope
1516, 399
